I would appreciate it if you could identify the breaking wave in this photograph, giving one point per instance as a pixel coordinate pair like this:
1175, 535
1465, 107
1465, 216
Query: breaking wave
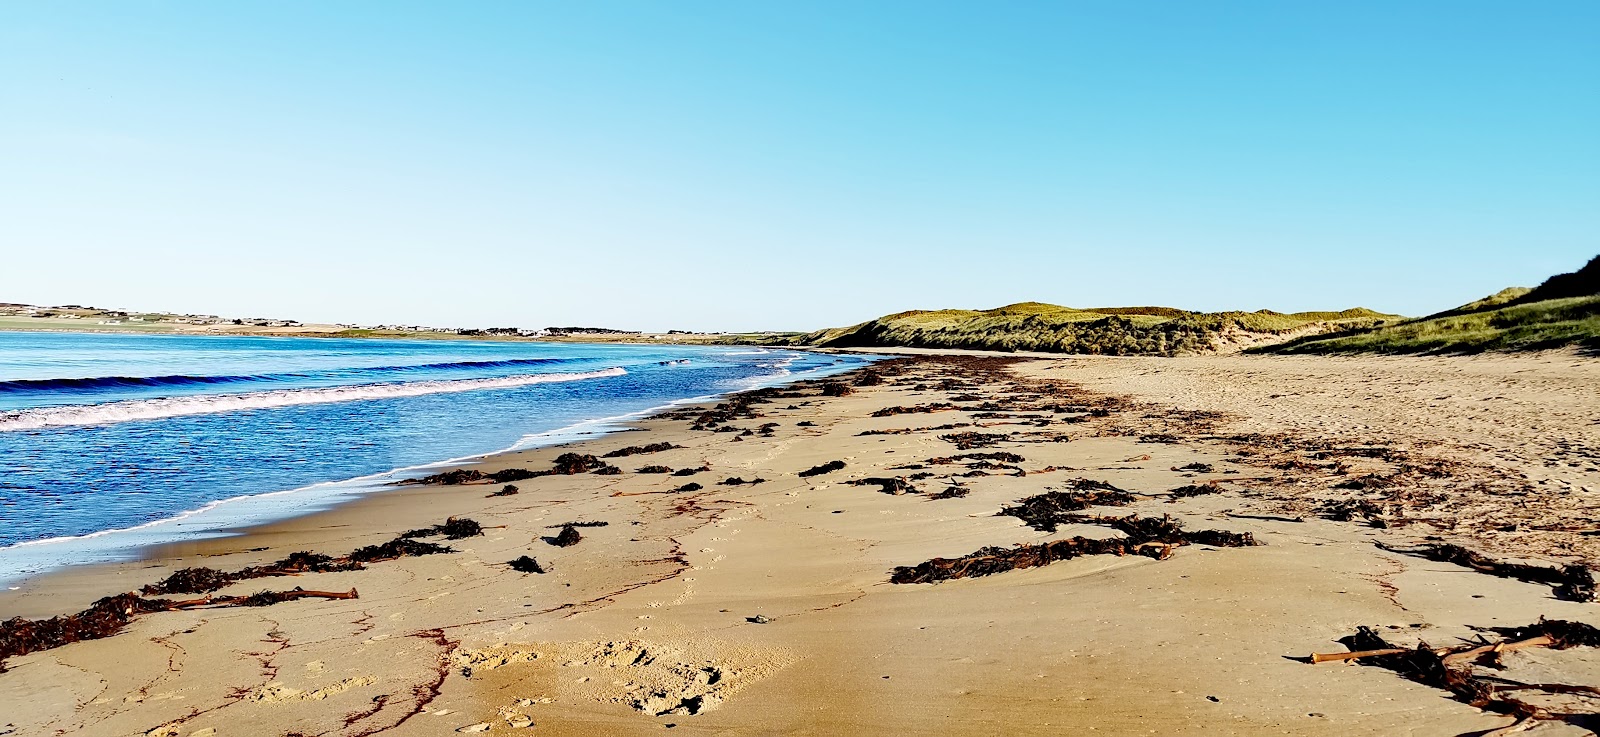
130, 382
151, 409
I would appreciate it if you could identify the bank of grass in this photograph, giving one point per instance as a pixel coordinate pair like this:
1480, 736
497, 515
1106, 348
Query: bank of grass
1474, 328
1036, 326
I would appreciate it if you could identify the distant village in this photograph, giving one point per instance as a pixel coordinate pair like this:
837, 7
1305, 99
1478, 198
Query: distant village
95, 316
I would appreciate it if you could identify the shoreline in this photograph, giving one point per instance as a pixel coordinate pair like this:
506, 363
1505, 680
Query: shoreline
344, 491
777, 594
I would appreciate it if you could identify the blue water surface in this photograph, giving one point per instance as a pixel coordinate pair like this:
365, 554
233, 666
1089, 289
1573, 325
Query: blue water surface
108, 432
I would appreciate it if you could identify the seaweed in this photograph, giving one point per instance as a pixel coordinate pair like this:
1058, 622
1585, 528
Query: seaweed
916, 409
894, 485
970, 440
638, 449
828, 467
526, 564
109, 615
1194, 490
1044, 512
454, 528
1451, 668
568, 537
652, 469
1573, 582
1000, 456
836, 389
1147, 536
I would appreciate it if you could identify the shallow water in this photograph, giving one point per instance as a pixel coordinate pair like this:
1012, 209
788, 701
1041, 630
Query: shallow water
110, 432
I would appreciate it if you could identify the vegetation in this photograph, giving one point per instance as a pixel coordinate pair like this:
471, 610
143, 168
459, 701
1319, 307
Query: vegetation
1035, 326
1564, 311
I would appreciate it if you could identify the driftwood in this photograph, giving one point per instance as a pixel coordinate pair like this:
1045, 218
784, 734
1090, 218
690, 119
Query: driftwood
1450, 668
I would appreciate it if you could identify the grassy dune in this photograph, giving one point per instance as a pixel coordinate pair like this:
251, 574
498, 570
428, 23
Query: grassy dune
1035, 326
1564, 311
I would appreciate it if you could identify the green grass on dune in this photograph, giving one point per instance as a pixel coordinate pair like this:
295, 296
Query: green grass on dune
1538, 325
1036, 326
1563, 311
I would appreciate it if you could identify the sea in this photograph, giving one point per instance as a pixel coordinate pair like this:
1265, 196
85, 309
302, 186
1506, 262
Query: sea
110, 443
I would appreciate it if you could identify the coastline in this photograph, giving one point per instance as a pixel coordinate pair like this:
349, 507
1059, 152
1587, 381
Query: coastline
766, 608
124, 544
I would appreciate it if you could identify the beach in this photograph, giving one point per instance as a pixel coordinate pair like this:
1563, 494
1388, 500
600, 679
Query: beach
741, 584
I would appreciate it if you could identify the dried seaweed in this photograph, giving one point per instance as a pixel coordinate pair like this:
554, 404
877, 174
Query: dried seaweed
1044, 512
203, 580
894, 485
1194, 490
970, 440
836, 389
916, 409
454, 528
107, 617
736, 481
526, 564
1148, 536
652, 469
1001, 456
828, 467
568, 537
1571, 582
507, 491
637, 449
1451, 668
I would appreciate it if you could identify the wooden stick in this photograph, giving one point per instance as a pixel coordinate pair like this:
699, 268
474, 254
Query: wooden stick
1499, 647
1340, 657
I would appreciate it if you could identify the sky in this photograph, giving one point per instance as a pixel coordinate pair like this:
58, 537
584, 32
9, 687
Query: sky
790, 165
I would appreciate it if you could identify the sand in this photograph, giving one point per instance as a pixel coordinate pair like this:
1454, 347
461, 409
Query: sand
766, 608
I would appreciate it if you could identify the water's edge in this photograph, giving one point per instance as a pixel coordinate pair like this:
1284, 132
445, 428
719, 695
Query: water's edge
236, 516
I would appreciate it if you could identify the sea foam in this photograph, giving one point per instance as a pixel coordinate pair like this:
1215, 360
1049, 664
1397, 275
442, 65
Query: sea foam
152, 409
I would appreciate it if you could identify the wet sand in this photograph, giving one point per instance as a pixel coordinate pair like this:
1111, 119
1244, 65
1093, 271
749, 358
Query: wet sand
767, 608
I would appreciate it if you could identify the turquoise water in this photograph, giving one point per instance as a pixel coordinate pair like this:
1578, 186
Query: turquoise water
112, 442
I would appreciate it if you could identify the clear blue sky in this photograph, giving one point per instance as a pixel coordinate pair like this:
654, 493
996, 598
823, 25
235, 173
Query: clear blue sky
790, 165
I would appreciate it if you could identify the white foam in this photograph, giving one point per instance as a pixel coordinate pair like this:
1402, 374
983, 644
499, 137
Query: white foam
226, 517
151, 409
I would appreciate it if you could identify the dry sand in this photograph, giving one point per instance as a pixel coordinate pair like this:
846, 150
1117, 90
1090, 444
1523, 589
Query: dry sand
766, 609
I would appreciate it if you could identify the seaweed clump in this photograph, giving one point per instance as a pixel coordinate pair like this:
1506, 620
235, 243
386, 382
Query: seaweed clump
568, 537
637, 449
526, 564
1571, 582
828, 467
201, 580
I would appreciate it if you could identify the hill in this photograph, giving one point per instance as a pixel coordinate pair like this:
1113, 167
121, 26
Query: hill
1563, 311
1036, 326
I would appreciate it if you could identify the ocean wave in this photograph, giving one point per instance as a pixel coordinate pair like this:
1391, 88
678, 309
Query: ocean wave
152, 409
92, 383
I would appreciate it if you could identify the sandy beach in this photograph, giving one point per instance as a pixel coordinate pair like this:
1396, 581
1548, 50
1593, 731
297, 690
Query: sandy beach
755, 595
